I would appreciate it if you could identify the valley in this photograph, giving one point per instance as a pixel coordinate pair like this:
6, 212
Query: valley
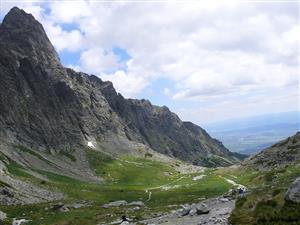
131, 179
74, 151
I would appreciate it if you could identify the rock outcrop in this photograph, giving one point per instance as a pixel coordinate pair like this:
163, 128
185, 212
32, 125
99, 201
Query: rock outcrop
52, 109
280, 154
293, 193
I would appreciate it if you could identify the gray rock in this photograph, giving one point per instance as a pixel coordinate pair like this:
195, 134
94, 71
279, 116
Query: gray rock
193, 212
125, 223
76, 205
202, 209
185, 211
137, 203
218, 214
64, 209
20, 221
293, 193
224, 199
57, 206
2, 216
115, 204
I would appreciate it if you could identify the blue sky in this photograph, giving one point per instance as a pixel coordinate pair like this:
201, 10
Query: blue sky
206, 61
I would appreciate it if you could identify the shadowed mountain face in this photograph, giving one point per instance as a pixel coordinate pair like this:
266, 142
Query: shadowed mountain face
54, 109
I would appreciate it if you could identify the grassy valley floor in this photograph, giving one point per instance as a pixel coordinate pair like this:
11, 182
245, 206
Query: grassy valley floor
159, 185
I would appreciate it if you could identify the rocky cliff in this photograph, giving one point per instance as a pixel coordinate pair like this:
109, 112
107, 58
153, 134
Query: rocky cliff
55, 110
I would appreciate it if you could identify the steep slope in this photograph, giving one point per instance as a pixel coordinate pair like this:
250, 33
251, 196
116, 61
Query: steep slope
164, 132
272, 177
282, 153
52, 109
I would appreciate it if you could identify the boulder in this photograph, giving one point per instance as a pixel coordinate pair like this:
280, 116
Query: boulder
64, 209
2, 216
193, 212
137, 203
57, 206
19, 222
224, 200
60, 207
77, 205
115, 204
293, 193
202, 209
241, 189
185, 211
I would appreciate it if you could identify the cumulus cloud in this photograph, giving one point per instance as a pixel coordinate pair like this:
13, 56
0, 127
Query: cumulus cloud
216, 50
69, 11
98, 61
62, 39
130, 84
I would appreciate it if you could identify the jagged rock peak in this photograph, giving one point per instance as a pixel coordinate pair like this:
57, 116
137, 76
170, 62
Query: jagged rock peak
24, 34
18, 18
59, 110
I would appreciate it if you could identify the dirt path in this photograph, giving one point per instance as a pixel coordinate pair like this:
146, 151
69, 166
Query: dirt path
149, 190
232, 182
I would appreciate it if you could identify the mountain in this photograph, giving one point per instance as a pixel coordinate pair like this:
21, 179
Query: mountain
273, 181
250, 135
58, 113
282, 153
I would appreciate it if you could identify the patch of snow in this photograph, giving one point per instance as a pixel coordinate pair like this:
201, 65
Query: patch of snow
199, 177
90, 144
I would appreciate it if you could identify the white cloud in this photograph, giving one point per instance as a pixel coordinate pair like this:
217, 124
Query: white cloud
69, 11
218, 109
98, 61
62, 39
129, 85
214, 51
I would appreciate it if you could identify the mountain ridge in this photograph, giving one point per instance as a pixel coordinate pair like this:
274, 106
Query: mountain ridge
57, 110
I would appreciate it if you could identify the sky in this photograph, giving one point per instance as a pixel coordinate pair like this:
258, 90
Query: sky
207, 61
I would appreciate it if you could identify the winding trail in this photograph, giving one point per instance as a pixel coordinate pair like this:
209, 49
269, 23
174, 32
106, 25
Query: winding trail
164, 185
149, 190
232, 182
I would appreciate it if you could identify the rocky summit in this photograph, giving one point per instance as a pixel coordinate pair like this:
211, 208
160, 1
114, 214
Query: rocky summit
56, 111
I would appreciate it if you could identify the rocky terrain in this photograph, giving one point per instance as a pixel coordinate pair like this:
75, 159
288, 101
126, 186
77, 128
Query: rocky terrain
275, 186
209, 212
279, 154
293, 193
